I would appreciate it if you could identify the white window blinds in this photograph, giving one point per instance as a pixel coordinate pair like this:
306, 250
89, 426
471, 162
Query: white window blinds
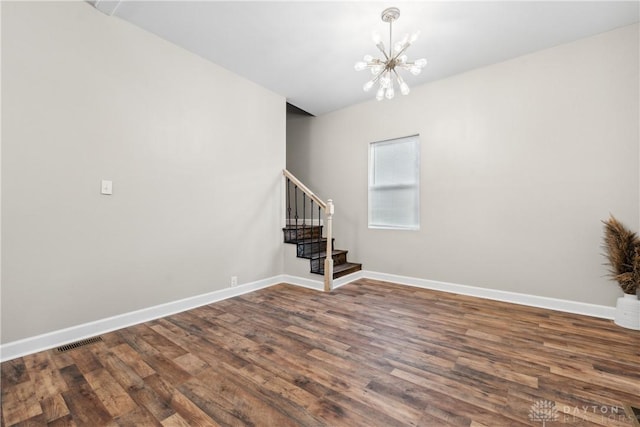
394, 183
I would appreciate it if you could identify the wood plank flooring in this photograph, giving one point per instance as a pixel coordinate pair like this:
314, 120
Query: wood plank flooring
368, 354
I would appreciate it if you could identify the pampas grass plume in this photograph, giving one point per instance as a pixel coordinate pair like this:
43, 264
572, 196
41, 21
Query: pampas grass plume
623, 255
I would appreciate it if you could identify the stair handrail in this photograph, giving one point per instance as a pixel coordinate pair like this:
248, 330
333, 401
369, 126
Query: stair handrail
329, 210
304, 188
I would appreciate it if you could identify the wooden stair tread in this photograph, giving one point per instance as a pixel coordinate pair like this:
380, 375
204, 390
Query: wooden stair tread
334, 252
342, 269
351, 266
314, 240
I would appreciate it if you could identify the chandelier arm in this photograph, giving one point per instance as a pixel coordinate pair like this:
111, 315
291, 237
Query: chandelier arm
376, 78
375, 62
398, 78
402, 51
404, 87
380, 47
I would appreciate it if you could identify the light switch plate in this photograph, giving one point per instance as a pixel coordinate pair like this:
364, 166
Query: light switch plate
106, 187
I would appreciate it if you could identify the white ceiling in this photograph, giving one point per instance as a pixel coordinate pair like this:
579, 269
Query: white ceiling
305, 50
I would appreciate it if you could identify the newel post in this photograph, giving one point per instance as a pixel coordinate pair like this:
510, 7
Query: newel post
328, 261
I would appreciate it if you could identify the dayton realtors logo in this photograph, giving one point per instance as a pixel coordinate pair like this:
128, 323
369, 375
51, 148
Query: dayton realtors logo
543, 411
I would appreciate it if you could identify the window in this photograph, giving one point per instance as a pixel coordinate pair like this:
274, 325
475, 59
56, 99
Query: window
394, 184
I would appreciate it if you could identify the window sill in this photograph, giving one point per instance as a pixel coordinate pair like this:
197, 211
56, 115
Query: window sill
390, 227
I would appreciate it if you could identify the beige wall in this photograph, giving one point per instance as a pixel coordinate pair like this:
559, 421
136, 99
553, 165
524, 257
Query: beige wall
195, 154
520, 162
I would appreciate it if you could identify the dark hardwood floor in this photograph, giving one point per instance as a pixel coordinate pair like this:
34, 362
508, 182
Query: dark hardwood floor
368, 354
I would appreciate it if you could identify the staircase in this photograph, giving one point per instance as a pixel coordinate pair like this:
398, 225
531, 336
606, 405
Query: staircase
312, 246
306, 229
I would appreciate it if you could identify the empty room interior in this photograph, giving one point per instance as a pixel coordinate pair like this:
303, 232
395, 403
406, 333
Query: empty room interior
299, 213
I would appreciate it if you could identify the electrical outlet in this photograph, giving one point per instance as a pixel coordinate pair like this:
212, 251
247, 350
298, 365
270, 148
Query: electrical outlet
106, 187
234, 281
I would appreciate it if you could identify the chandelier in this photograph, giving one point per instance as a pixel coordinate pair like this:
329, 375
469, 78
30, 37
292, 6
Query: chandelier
385, 71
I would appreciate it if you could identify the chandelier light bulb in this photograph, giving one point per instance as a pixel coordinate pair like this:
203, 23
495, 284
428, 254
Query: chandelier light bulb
386, 69
420, 62
404, 87
390, 93
368, 85
402, 43
360, 66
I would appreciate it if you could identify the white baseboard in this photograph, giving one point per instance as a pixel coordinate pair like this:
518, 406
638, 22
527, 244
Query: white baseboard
601, 311
54, 339
318, 285
60, 337
567, 306
341, 281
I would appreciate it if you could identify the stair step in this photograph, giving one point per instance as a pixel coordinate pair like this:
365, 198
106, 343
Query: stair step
293, 234
339, 257
341, 270
334, 252
310, 248
301, 225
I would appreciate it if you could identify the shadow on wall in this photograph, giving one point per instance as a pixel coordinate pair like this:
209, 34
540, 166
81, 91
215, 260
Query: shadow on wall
298, 134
